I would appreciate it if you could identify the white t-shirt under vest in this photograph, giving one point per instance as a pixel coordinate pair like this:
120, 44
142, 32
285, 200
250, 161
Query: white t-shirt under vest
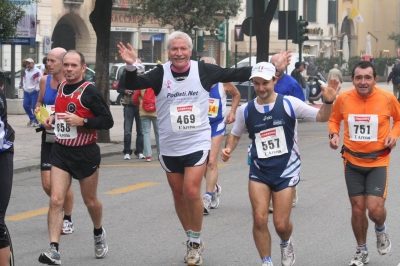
182, 110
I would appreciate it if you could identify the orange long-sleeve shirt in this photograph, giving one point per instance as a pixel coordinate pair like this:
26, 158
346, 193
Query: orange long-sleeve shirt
381, 103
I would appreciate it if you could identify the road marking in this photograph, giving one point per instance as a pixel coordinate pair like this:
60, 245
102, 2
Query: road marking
131, 188
28, 214
37, 212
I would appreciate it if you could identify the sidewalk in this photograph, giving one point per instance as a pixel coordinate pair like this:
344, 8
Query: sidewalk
27, 141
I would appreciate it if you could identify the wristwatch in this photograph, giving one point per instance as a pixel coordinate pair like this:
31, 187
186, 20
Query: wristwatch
85, 121
331, 135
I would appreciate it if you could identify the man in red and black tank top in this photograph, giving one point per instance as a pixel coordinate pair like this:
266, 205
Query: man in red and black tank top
80, 110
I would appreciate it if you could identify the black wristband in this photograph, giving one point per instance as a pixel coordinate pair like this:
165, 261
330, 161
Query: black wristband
328, 102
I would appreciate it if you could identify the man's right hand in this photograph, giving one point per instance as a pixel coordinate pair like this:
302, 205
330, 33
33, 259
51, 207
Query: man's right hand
226, 154
48, 122
127, 53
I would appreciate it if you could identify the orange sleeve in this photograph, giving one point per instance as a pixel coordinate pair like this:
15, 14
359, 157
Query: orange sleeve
395, 113
336, 116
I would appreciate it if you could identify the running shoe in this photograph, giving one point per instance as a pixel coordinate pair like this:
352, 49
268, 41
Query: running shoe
141, 156
360, 258
215, 197
127, 157
383, 242
296, 198
68, 228
34, 124
30, 123
267, 263
207, 204
50, 257
287, 254
148, 158
188, 249
100, 245
194, 254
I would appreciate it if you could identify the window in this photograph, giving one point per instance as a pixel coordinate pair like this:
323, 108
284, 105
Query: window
310, 10
332, 15
294, 5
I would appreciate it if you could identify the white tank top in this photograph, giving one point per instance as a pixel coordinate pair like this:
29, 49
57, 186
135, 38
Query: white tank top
182, 110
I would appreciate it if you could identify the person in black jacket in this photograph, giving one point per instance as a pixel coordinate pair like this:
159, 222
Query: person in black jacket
395, 77
296, 74
6, 176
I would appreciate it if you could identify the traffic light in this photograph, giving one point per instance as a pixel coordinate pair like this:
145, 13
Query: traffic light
301, 31
200, 43
221, 32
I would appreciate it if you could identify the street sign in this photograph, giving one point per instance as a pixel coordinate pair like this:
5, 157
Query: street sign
46, 45
239, 37
246, 27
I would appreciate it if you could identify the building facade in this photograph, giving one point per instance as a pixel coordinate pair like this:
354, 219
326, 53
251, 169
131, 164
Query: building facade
65, 23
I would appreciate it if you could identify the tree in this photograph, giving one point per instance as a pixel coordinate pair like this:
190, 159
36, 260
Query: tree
101, 22
395, 37
262, 21
11, 13
185, 15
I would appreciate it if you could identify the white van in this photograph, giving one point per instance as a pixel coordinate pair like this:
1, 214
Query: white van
295, 58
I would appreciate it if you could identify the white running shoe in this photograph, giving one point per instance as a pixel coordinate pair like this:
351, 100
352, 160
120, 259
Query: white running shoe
100, 245
287, 254
188, 247
207, 204
267, 263
141, 156
194, 254
360, 258
127, 157
215, 197
50, 257
68, 227
383, 242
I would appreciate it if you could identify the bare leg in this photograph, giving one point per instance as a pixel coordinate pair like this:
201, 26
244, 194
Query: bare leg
212, 165
5, 256
69, 198
60, 182
259, 197
282, 208
359, 220
89, 195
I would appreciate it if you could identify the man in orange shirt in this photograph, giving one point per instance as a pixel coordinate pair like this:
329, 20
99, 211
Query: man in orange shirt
366, 111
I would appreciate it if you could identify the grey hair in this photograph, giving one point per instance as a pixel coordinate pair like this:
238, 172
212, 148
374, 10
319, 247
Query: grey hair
180, 35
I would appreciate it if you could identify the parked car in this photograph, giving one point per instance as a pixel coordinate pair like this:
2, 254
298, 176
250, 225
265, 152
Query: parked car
115, 74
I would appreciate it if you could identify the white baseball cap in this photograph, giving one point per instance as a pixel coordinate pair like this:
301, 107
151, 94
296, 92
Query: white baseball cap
30, 60
263, 70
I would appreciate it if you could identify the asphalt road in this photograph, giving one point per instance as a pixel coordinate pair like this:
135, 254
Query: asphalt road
143, 229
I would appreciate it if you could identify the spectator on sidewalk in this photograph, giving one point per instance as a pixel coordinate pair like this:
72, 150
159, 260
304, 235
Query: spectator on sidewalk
296, 74
131, 113
395, 77
31, 81
145, 100
335, 73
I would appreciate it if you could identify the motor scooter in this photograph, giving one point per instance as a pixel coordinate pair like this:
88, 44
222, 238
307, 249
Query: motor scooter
315, 90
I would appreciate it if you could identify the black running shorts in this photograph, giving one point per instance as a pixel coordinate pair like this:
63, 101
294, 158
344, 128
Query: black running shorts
177, 164
366, 180
80, 161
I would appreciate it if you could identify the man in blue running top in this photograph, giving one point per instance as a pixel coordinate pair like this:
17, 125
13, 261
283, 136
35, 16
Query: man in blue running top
271, 121
218, 121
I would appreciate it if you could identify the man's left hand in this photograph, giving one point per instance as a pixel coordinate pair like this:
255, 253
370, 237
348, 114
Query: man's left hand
390, 142
73, 120
230, 118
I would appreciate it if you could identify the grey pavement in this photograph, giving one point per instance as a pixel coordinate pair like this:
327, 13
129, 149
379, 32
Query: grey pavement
27, 141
